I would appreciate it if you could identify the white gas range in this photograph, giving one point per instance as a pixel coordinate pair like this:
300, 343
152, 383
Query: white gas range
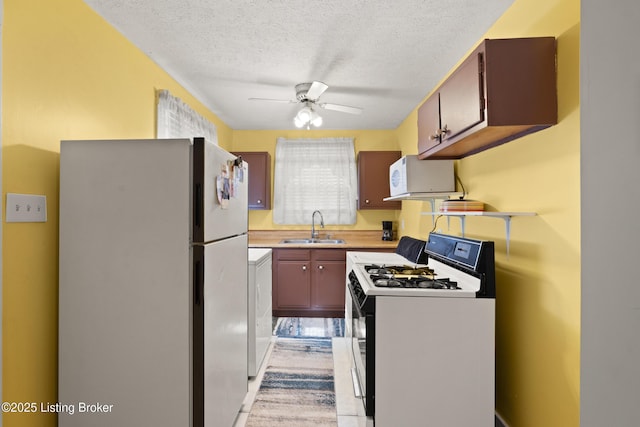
423, 335
390, 279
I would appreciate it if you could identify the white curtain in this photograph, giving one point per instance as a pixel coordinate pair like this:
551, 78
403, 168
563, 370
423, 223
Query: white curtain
177, 120
315, 174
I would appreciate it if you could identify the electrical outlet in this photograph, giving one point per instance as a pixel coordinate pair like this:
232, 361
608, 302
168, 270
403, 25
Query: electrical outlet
26, 208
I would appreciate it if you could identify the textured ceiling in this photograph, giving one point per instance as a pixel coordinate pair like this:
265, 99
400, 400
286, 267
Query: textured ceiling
380, 55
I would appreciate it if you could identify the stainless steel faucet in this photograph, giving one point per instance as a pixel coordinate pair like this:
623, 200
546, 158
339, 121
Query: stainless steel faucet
314, 233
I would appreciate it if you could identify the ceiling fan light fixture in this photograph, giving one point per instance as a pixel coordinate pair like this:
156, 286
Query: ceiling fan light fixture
316, 120
307, 117
308, 94
304, 115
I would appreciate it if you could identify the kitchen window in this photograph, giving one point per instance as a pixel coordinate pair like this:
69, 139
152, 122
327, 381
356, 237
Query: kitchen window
175, 119
315, 174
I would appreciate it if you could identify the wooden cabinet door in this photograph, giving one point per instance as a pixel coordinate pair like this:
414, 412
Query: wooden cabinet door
462, 98
294, 285
505, 89
259, 178
373, 179
309, 282
429, 123
291, 279
328, 284
328, 281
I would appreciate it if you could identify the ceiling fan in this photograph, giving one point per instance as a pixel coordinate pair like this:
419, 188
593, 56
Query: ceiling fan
309, 95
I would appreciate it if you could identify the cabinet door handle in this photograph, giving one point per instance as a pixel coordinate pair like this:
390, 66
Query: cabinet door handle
320, 267
304, 268
259, 201
440, 133
367, 201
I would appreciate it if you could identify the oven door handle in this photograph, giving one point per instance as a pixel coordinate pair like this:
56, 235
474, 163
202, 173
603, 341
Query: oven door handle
355, 302
357, 390
359, 312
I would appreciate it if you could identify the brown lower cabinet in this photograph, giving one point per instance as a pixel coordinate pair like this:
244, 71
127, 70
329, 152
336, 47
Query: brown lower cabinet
309, 282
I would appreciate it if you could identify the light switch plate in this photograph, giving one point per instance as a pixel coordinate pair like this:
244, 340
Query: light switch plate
26, 208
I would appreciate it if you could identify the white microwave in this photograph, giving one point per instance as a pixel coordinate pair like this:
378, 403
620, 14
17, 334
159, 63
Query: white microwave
411, 175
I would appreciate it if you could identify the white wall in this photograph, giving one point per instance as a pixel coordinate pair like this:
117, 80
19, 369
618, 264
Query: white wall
610, 198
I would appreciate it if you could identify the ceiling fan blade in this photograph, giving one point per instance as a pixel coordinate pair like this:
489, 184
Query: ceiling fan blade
341, 108
316, 89
288, 101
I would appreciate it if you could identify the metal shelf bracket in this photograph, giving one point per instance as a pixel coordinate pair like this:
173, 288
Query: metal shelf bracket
506, 216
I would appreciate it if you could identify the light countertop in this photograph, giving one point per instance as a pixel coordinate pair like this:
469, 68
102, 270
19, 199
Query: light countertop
256, 255
362, 239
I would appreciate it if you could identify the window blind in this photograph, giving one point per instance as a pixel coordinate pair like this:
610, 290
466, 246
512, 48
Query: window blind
177, 120
315, 174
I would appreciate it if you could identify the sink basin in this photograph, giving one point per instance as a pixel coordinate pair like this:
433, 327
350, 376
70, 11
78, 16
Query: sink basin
305, 241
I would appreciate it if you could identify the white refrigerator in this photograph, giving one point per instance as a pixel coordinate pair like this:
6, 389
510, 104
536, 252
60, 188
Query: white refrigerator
152, 284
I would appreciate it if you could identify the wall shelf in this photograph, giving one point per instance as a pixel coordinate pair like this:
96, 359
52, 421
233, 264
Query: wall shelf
424, 197
431, 198
506, 216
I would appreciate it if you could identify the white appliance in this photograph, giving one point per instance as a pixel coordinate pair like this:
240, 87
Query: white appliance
260, 315
409, 175
423, 350
153, 283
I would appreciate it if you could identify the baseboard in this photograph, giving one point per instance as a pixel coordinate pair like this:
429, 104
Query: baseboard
500, 422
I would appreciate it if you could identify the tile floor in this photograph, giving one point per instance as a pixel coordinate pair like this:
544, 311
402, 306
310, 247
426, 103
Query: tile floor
349, 409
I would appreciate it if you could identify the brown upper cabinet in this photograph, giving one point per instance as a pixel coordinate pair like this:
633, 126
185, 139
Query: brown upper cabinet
373, 179
259, 178
504, 90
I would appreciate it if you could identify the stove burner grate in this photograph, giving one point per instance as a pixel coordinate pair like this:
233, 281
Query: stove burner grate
402, 276
398, 269
422, 283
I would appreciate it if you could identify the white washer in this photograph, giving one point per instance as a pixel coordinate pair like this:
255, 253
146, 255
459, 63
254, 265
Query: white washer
259, 307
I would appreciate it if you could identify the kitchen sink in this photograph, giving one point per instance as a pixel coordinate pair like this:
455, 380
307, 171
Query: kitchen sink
305, 241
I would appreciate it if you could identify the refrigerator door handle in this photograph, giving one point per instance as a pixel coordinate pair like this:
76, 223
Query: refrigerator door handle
198, 378
197, 209
198, 283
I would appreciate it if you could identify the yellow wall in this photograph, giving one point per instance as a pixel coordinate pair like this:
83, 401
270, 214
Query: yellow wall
265, 140
66, 75
69, 75
538, 286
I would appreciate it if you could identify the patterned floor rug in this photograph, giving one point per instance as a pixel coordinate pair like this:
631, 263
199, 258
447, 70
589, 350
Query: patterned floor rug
297, 389
308, 327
